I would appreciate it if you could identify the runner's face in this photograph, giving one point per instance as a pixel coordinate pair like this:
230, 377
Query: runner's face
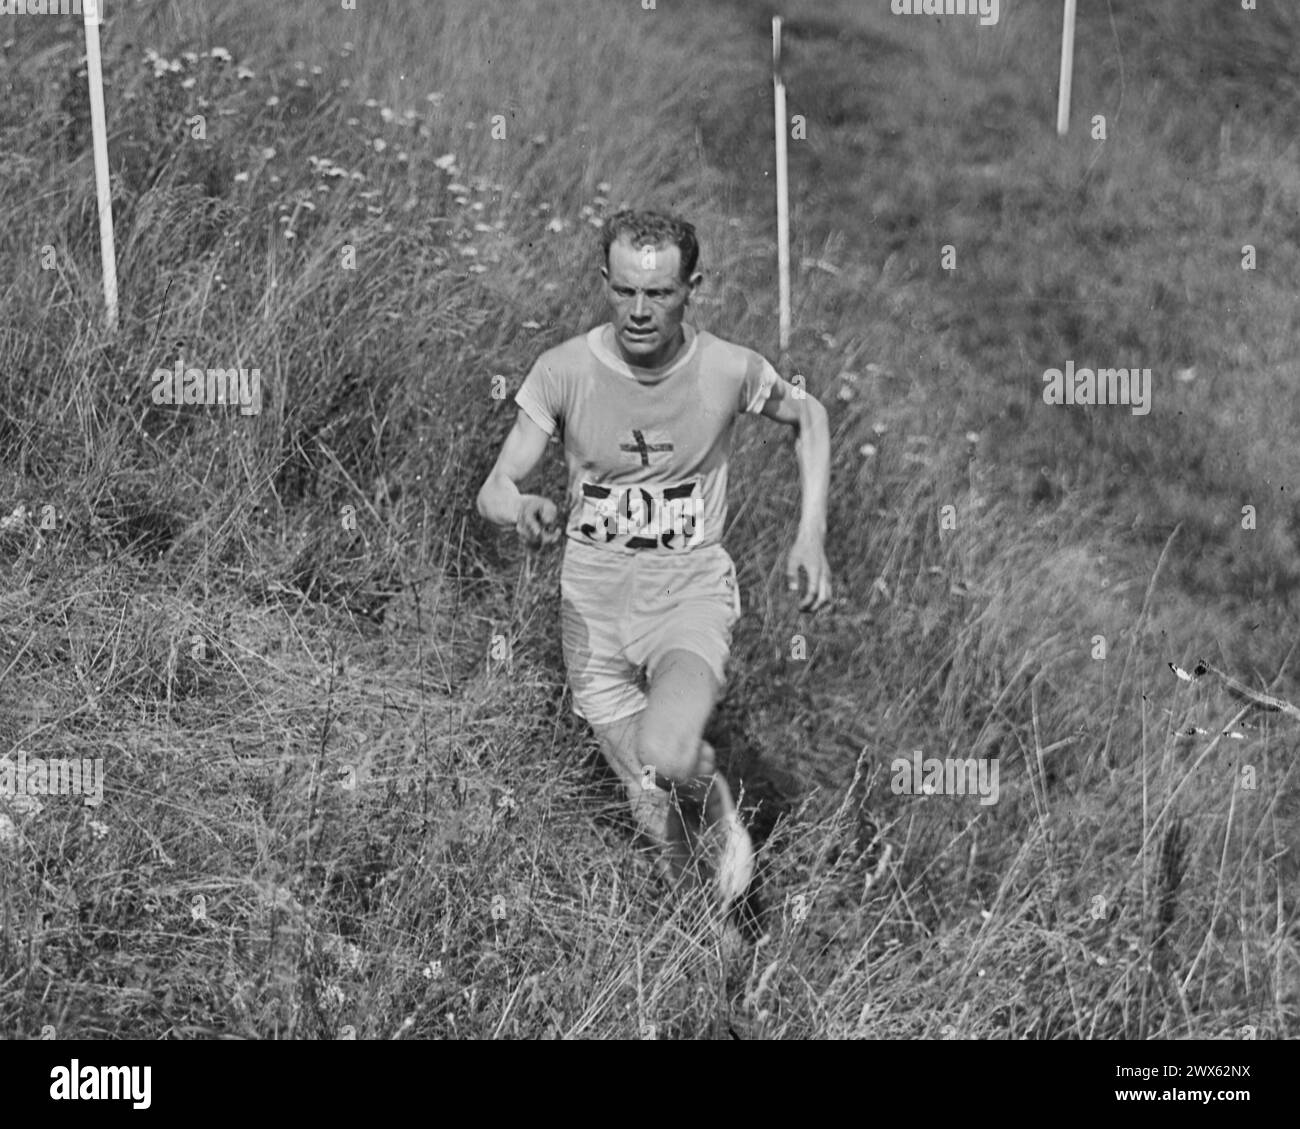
647, 299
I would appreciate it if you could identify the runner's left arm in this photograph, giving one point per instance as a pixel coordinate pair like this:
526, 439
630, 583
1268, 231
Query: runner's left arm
799, 409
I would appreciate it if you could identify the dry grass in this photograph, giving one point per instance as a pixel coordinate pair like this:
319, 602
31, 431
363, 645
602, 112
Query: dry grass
344, 792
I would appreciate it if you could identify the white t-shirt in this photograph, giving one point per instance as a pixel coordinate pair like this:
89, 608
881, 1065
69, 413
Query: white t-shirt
647, 450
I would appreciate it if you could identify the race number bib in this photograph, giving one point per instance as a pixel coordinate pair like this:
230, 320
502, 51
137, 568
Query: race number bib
647, 516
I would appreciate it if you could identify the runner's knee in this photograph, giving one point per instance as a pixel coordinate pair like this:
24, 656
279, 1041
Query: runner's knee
679, 756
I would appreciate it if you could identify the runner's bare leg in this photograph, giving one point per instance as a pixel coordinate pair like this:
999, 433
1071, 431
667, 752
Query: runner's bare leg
668, 735
650, 806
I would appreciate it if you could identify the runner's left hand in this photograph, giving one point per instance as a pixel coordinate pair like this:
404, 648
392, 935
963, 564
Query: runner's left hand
808, 554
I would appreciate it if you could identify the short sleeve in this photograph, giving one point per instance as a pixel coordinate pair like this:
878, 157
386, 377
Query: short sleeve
759, 378
539, 396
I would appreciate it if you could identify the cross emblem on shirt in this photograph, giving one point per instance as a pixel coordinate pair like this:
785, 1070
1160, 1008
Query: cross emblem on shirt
643, 448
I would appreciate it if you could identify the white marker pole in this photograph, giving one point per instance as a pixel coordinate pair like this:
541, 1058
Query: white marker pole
99, 135
782, 189
1067, 69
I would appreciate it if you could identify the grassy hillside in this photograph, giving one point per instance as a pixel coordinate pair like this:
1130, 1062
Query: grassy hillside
343, 792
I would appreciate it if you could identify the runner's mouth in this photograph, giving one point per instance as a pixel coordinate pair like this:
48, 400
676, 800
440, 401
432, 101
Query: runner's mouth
638, 334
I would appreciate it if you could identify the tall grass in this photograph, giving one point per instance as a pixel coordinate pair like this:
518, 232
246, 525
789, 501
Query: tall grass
344, 792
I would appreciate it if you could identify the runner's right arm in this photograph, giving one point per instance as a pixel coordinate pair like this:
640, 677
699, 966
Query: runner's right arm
500, 500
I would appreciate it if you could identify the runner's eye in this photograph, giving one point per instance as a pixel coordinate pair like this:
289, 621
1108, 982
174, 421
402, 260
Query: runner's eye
657, 296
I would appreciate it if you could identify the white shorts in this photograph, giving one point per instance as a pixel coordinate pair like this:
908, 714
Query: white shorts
620, 614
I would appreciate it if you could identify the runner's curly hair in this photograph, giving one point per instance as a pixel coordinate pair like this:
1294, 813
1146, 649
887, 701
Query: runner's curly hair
656, 229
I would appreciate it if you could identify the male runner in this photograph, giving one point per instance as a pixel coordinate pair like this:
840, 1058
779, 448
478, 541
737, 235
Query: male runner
645, 405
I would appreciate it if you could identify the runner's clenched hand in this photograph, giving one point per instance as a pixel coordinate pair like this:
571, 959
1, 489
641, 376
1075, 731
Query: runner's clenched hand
537, 521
